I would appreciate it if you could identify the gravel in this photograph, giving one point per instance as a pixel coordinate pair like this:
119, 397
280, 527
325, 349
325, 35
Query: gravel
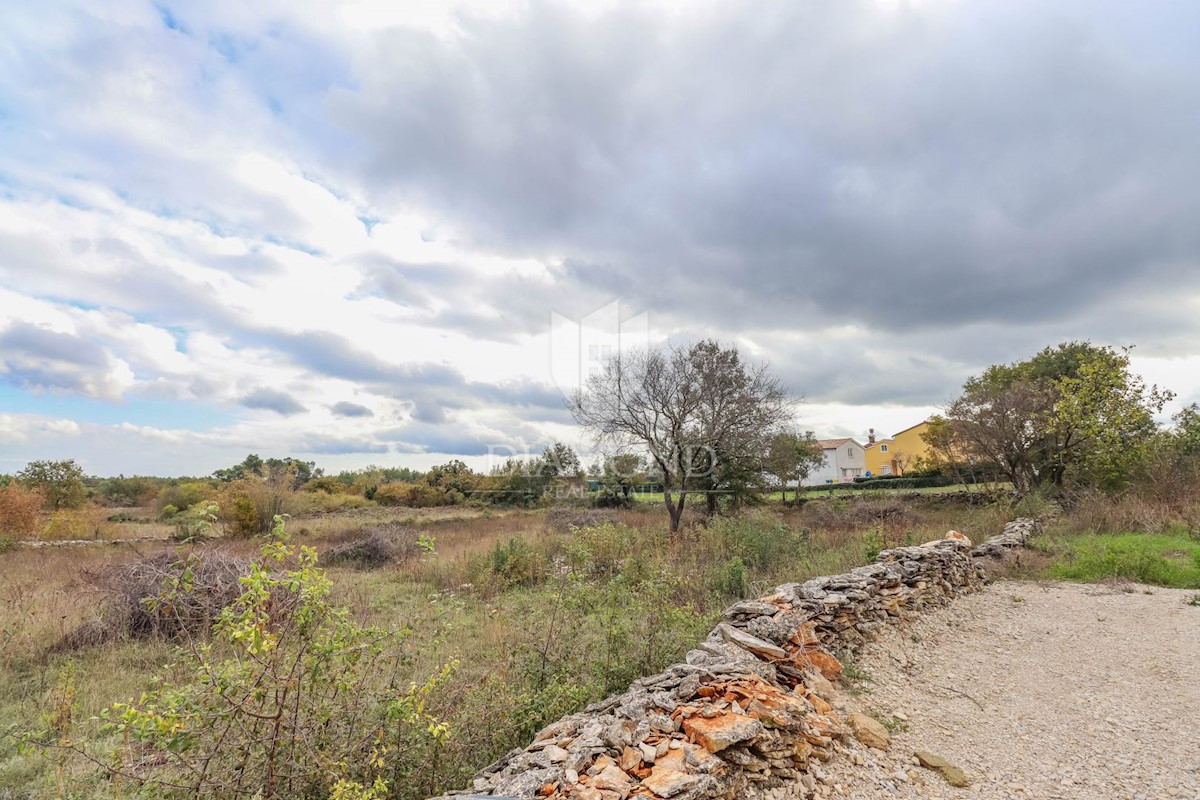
1036, 690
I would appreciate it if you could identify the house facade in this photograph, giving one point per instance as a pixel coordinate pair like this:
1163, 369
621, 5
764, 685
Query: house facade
898, 454
844, 461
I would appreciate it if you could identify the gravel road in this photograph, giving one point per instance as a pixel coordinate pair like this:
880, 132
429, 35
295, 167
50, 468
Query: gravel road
1036, 690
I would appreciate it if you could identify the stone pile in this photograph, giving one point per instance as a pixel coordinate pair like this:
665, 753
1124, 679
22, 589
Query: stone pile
751, 711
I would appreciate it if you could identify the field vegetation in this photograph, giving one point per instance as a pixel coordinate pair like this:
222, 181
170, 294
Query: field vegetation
273, 631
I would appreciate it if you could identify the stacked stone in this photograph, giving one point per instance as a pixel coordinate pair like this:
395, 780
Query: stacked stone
1014, 537
750, 710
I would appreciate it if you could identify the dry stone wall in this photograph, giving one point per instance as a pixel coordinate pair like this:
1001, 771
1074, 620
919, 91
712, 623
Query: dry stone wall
749, 714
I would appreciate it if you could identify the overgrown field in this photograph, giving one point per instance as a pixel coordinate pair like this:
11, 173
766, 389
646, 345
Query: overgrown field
535, 613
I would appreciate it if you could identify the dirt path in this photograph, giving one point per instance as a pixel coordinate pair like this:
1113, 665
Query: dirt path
1050, 690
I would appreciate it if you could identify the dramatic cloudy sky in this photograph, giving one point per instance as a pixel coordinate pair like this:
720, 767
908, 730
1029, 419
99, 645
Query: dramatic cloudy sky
339, 231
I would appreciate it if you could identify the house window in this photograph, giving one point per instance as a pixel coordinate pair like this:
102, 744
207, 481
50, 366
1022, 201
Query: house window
886, 469
883, 448
850, 452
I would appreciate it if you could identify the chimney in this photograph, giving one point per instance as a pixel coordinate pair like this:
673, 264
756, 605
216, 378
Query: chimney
870, 436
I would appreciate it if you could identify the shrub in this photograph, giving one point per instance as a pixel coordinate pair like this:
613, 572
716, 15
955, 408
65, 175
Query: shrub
904, 481
20, 509
734, 579
77, 523
201, 586
184, 494
374, 548
242, 723
250, 504
516, 563
195, 523
758, 539
326, 503
872, 545
416, 495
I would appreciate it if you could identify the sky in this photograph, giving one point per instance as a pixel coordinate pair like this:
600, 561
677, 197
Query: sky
343, 231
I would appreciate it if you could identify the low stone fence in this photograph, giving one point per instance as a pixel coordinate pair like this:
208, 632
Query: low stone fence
749, 715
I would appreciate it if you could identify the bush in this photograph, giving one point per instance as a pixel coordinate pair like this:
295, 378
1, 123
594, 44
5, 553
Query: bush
326, 503
241, 724
20, 509
79, 523
374, 548
758, 539
200, 586
924, 481
516, 563
185, 494
734, 578
250, 504
416, 495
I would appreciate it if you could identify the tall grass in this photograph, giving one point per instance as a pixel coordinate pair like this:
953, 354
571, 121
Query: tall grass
544, 611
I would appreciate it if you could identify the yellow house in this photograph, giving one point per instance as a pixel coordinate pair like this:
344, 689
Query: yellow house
897, 455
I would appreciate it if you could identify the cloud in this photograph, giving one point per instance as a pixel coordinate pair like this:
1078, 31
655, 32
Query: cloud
41, 359
344, 408
877, 198
842, 163
341, 446
272, 400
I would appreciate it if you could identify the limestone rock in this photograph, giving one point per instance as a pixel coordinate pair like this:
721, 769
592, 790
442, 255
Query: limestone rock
950, 773
869, 731
958, 537
715, 734
667, 783
613, 779
759, 647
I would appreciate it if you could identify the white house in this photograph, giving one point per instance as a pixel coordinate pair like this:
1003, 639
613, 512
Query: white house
844, 461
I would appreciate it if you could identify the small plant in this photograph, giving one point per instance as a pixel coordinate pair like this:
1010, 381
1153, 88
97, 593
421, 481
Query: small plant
734, 579
894, 724
291, 698
873, 545
853, 676
195, 523
1194, 600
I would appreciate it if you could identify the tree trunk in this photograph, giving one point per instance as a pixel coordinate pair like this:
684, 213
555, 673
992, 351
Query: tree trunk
672, 512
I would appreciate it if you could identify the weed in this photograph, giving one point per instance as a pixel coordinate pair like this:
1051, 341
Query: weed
853, 676
872, 545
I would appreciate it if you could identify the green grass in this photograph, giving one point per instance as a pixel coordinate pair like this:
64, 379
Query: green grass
1172, 561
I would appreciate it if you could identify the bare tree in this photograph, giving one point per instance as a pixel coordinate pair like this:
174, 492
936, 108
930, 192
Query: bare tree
700, 411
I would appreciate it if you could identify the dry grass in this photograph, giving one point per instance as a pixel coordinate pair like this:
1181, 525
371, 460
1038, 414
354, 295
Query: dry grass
48, 593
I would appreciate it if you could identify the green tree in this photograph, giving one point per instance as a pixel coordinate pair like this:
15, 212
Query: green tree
1072, 412
62, 481
453, 476
791, 457
619, 476
274, 469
